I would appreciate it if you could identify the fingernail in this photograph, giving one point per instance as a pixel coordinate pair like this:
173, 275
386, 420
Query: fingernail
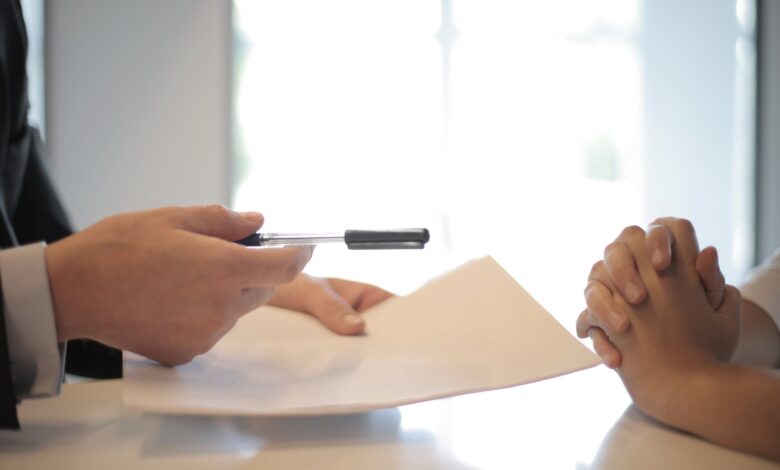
253, 217
351, 319
633, 292
658, 257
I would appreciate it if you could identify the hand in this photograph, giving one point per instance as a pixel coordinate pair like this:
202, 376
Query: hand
335, 302
675, 333
165, 283
617, 273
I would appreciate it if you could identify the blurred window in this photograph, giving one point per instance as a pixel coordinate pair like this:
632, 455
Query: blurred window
533, 131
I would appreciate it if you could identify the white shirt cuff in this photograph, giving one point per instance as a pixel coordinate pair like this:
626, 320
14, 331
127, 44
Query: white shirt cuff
36, 358
763, 287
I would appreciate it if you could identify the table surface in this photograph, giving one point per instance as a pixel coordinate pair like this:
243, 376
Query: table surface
582, 420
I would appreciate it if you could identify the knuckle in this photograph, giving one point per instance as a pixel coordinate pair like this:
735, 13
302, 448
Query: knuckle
218, 211
597, 268
684, 225
613, 248
596, 317
662, 222
588, 288
592, 296
631, 232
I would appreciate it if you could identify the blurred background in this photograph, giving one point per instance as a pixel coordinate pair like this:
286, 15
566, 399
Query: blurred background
530, 131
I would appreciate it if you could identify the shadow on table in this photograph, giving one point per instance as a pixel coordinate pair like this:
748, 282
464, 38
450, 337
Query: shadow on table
175, 435
36, 436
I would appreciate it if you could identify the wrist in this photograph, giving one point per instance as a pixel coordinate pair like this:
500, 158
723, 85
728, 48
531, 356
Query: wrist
660, 389
683, 395
66, 323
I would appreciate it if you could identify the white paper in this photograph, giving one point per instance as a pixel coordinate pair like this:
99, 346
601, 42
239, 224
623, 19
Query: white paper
470, 330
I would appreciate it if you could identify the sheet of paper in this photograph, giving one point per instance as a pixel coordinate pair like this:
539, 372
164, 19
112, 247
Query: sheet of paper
470, 330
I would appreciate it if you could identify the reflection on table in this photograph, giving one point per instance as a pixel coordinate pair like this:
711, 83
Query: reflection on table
582, 420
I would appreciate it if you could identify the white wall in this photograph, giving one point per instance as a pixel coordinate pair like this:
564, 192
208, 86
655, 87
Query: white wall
138, 103
698, 124
769, 137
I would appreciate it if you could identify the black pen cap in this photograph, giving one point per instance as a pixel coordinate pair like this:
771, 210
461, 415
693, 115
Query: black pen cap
400, 239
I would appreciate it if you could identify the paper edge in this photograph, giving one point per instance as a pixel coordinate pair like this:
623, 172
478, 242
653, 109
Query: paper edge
343, 409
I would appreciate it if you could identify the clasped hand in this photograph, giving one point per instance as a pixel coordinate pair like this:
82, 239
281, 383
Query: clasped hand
658, 309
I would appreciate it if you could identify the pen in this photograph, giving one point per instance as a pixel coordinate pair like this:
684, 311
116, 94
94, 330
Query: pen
399, 239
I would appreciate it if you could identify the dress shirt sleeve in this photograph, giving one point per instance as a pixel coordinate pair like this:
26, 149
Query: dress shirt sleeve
36, 358
763, 287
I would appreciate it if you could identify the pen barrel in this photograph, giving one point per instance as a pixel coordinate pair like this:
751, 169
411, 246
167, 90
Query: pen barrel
251, 240
289, 239
401, 239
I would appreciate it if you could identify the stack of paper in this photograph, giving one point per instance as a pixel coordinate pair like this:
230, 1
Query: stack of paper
470, 330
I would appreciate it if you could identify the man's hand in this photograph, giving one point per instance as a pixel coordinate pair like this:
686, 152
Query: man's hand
335, 302
618, 274
165, 283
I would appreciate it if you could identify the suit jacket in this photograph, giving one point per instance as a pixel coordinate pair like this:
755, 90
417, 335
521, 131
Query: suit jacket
30, 209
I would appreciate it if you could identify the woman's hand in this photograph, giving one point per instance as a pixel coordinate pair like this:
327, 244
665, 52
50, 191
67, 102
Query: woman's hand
617, 274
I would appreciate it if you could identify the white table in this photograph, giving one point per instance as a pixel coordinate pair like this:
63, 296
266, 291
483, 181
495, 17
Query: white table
579, 421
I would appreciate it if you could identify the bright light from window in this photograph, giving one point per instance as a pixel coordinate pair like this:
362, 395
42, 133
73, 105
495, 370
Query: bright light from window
511, 128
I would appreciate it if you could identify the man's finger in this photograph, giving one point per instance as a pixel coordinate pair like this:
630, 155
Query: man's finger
711, 277
258, 267
607, 351
603, 308
215, 220
659, 241
360, 295
333, 311
620, 264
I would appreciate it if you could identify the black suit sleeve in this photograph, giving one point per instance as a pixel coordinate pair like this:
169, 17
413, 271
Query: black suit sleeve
30, 210
8, 417
40, 216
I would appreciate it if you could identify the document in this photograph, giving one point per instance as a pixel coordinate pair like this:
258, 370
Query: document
470, 330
